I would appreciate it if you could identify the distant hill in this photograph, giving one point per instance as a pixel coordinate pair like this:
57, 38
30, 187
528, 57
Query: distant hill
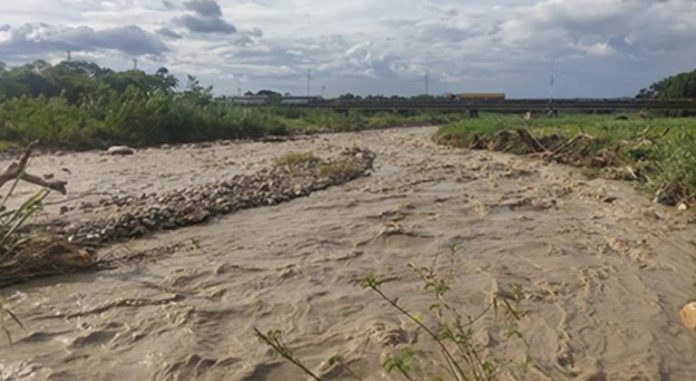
679, 86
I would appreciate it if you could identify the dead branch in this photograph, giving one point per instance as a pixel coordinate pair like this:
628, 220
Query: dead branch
530, 141
558, 151
17, 170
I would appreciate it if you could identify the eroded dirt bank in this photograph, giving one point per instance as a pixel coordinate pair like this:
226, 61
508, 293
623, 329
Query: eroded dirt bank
604, 270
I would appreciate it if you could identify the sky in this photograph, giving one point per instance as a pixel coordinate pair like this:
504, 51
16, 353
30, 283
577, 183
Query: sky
524, 48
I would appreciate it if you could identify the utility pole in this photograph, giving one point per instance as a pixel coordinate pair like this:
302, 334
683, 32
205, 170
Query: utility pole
239, 87
323, 89
552, 81
309, 82
427, 82
552, 111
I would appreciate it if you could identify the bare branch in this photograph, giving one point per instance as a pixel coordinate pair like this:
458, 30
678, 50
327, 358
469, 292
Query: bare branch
16, 170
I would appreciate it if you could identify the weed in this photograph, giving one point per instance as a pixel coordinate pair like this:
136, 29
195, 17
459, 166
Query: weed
6, 314
274, 339
295, 158
10, 223
464, 359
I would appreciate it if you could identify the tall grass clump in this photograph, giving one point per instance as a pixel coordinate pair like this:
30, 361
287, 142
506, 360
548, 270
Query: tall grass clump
11, 221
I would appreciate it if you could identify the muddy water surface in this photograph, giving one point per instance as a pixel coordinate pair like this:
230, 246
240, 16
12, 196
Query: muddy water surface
603, 277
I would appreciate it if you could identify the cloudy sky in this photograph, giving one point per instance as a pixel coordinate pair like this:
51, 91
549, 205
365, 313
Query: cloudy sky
594, 47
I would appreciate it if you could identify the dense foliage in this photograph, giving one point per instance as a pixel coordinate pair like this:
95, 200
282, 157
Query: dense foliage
680, 86
81, 105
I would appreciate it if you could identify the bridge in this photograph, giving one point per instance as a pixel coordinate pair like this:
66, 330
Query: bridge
509, 105
474, 106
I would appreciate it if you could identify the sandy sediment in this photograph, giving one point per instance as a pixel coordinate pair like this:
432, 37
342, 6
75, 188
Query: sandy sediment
604, 271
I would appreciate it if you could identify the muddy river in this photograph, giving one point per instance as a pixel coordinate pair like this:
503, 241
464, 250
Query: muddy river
603, 270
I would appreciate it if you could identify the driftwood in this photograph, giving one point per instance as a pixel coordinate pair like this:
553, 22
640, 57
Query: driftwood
530, 141
17, 170
578, 146
585, 146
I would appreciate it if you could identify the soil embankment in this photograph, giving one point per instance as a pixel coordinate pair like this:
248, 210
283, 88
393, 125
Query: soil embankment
604, 271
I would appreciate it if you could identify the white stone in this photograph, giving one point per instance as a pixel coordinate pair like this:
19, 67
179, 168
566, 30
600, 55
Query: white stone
120, 150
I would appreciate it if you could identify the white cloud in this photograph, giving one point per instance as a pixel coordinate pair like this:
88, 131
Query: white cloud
601, 49
37, 39
374, 46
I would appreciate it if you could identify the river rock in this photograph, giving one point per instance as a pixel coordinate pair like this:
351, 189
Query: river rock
688, 315
120, 151
140, 214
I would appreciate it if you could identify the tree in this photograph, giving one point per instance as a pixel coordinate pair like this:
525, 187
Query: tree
202, 95
76, 81
269, 93
679, 86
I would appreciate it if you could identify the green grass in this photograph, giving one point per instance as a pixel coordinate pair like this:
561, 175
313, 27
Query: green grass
295, 158
663, 148
136, 119
317, 121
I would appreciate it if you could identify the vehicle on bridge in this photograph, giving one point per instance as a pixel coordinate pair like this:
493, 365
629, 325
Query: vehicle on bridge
479, 96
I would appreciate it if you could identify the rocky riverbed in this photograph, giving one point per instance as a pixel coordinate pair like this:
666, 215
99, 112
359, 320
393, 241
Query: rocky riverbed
138, 216
604, 271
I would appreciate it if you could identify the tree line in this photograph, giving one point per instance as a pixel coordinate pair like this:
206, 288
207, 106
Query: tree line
680, 86
82, 105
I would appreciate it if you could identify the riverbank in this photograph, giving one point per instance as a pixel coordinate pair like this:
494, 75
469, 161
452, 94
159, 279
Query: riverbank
657, 153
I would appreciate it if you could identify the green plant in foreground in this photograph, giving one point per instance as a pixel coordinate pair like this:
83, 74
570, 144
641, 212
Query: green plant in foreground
274, 339
463, 358
10, 223
466, 362
6, 314
401, 362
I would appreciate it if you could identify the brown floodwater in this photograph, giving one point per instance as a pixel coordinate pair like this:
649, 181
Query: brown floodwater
603, 279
